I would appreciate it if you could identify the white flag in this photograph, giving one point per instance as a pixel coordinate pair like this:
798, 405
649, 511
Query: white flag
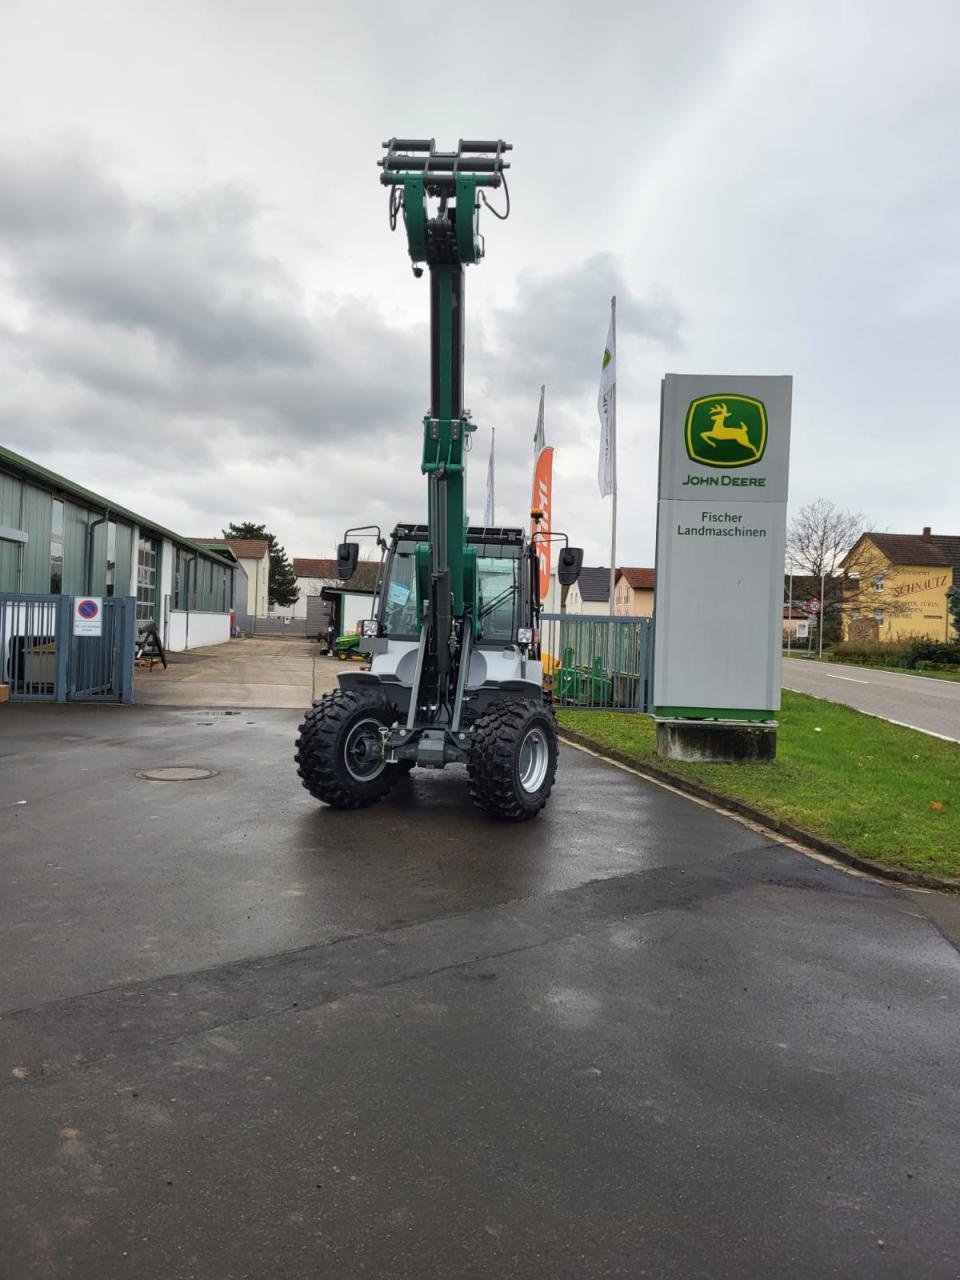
488, 500
539, 439
607, 408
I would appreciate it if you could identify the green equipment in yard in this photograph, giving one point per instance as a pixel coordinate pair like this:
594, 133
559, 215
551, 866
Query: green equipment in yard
455, 673
347, 647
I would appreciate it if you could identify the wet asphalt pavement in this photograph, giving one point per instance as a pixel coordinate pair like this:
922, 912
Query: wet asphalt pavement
244, 1036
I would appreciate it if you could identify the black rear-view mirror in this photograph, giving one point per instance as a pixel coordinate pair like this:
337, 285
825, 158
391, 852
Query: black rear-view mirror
348, 553
569, 565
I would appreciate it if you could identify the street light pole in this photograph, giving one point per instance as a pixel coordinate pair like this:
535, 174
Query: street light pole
820, 631
790, 611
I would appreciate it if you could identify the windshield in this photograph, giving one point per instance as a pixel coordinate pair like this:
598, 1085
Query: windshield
399, 595
498, 592
498, 599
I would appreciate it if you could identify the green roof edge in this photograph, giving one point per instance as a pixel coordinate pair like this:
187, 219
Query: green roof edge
78, 491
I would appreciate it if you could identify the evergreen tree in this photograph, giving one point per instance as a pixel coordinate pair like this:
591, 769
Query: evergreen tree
953, 604
282, 586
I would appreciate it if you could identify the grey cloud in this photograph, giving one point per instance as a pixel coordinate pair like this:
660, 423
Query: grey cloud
170, 314
161, 339
555, 331
50, 194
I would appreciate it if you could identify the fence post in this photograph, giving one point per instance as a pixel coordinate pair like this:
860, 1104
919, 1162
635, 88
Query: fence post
127, 647
63, 639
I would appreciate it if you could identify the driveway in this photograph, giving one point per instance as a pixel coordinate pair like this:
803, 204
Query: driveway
253, 672
916, 701
246, 1036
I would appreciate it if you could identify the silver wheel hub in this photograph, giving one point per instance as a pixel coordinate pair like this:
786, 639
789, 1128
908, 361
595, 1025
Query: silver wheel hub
534, 760
363, 750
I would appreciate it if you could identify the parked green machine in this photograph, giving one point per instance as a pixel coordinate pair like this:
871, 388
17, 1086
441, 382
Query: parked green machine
455, 672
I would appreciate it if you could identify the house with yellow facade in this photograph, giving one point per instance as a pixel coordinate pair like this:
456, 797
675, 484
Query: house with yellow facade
895, 586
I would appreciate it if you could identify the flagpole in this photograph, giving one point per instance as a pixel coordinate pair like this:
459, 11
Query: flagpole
613, 448
493, 475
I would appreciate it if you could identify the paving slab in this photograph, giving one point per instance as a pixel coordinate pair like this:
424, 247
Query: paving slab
253, 672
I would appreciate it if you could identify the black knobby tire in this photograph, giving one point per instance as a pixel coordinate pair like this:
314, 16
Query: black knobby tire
336, 749
513, 759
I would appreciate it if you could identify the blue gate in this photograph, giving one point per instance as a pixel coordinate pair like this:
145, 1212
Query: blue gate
600, 662
41, 660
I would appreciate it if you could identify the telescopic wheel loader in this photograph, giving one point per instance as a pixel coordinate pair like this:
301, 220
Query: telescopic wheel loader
455, 672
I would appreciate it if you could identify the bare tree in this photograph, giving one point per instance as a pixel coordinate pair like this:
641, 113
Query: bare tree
820, 535
820, 539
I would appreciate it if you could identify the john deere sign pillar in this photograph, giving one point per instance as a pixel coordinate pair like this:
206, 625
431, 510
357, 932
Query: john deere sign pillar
721, 529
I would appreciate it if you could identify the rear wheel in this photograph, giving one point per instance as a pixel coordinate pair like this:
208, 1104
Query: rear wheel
340, 749
513, 759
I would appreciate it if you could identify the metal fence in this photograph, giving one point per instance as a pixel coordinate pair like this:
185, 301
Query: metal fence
279, 626
600, 662
41, 660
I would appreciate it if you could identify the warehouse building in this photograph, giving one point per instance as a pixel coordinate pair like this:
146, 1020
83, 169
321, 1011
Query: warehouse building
58, 538
252, 555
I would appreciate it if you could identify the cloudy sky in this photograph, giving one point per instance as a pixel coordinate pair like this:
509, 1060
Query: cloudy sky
204, 316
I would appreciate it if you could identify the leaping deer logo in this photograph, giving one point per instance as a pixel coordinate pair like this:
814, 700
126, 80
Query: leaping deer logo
719, 413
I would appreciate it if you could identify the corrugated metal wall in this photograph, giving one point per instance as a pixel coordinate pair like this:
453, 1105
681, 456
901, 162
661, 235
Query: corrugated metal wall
26, 507
10, 517
37, 509
124, 560
75, 522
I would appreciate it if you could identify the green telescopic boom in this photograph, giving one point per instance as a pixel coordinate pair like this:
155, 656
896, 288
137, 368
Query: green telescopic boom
439, 195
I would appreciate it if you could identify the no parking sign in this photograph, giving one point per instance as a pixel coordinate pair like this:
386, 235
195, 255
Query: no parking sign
88, 616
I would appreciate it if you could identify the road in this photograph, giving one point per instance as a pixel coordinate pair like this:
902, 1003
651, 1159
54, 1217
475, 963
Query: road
242, 1035
918, 701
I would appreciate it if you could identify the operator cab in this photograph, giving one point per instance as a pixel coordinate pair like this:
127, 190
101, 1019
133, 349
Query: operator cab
503, 587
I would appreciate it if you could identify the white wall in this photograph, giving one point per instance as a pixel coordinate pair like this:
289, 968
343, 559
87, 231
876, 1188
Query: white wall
165, 569
552, 602
192, 630
355, 607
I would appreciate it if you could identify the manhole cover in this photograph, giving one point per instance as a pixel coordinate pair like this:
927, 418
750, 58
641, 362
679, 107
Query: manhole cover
176, 773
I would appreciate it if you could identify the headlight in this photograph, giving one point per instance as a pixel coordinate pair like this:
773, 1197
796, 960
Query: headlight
524, 636
368, 627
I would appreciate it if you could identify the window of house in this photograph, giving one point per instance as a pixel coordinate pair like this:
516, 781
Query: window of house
878, 581
56, 548
855, 615
878, 617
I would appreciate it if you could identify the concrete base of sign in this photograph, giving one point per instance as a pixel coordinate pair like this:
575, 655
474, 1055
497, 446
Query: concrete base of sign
720, 741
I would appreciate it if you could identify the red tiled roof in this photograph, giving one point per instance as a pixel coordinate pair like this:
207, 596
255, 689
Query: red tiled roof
908, 548
307, 568
364, 579
638, 579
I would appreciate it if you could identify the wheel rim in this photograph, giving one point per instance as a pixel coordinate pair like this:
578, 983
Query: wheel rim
363, 750
534, 760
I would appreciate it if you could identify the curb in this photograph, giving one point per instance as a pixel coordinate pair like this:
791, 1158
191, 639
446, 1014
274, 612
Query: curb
899, 875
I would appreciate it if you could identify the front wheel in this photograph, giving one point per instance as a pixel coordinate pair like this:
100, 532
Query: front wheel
513, 760
340, 749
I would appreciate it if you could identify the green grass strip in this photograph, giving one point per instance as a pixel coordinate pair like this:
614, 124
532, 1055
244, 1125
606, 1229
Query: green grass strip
880, 790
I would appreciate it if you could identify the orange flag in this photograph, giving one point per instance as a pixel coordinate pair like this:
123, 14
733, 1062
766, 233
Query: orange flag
540, 507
